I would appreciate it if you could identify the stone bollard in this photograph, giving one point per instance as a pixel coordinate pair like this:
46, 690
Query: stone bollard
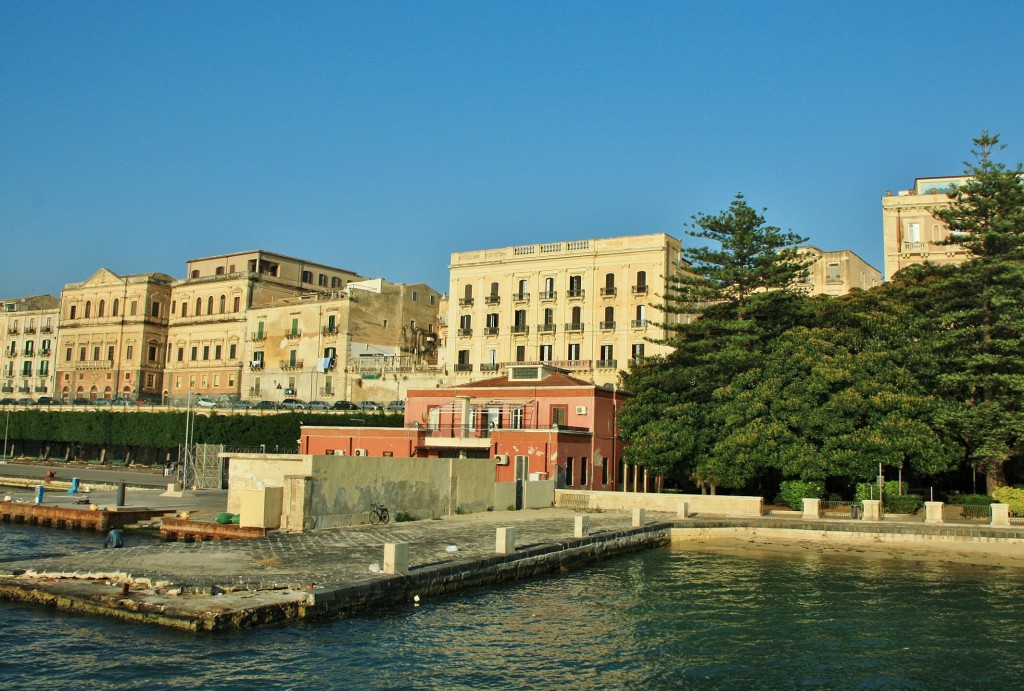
812, 509
872, 510
684, 510
933, 512
581, 526
639, 518
505, 541
396, 557
1000, 514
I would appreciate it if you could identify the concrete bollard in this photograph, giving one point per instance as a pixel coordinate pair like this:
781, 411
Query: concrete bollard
639, 518
684, 510
872, 510
812, 509
505, 541
933, 512
581, 527
1000, 514
396, 557
40, 491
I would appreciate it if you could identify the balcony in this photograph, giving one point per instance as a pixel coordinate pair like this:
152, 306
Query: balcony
465, 302
293, 334
7, 389
13, 330
29, 353
24, 389
291, 364
608, 291
548, 295
576, 293
574, 326
491, 331
45, 329
330, 331
30, 329
465, 332
607, 326
94, 364
11, 352
492, 299
490, 367
463, 367
639, 290
606, 364
256, 365
520, 297
258, 337
546, 328
638, 323
44, 351
520, 329
40, 389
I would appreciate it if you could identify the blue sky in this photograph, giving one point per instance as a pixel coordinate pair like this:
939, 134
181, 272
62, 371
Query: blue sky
383, 136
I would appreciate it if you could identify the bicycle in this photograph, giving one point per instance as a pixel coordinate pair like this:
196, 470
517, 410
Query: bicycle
378, 514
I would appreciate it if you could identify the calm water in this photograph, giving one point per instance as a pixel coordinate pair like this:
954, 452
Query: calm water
656, 620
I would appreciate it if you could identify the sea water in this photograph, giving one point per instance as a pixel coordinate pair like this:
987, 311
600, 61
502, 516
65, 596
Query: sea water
660, 619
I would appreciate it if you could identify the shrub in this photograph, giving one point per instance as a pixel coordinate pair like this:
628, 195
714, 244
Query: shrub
1014, 496
403, 517
869, 490
971, 500
793, 492
906, 503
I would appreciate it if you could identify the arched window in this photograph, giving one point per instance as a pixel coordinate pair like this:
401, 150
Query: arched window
101, 308
184, 308
469, 292
223, 303
199, 306
237, 304
209, 305
549, 317
115, 308
494, 288
88, 309
641, 281
609, 280
577, 315
609, 314
641, 314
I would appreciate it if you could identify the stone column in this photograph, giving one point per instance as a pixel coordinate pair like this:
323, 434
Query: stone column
639, 518
396, 557
505, 541
683, 511
581, 528
812, 509
1000, 514
872, 510
933, 512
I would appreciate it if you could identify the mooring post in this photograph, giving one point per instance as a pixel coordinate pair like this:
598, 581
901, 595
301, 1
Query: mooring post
639, 518
505, 541
396, 557
581, 527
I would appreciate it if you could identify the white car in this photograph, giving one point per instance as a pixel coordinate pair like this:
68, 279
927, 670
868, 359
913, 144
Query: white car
204, 402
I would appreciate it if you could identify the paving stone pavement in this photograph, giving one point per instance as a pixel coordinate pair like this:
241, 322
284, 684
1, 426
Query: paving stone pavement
328, 557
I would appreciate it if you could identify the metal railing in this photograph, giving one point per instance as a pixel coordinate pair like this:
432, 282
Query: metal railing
967, 513
840, 509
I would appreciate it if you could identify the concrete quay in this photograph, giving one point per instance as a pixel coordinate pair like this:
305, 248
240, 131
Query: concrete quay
317, 574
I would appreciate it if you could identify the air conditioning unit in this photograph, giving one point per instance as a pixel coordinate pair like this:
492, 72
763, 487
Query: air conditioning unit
501, 459
581, 410
339, 452
360, 452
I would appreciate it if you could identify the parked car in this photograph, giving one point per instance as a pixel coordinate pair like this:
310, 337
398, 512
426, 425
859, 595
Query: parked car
24, 401
122, 401
204, 402
344, 405
81, 401
241, 405
318, 405
265, 405
293, 404
396, 407
369, 406
105, 402
6, 401
47, 400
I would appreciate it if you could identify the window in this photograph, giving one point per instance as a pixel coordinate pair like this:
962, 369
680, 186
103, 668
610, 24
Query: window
641, 282
101, 309
110, 353
195, 273
549, 287
44, 368
641, 316
568, 471
259, 330
545, 352
913, 235
223, 303
607, 356
81, 353
29, 347
71, 314
549, 317
67, 354
609, 318
307, 276
638, 351
181, 354
96, 353
559, 415
232, 351
609, 285
209, 305
237, 304
524, 291
88, 309
219, 271
583, 471
322, 280
492, 323
576, 286
335, 282
151, 353
154, 310
520, 353
115, 308
199, 307
292, 359
519, 323
128, 352
184, 309
216, 352
133, 308
195, 353
414, 296
577, 319
150, 380
574, 351
466, 325
257, 359
833, 273
206, 352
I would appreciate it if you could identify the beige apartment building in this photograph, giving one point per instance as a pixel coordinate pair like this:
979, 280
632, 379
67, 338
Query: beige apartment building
26, 362
586, 306
206, 351
339, 345
836, 273
911, 234
113, 335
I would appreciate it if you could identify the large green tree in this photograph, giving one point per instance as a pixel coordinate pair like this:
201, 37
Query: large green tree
733, 299
979, 313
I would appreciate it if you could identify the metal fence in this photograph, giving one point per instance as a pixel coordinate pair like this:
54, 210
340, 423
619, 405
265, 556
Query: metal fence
968, 513
840, 509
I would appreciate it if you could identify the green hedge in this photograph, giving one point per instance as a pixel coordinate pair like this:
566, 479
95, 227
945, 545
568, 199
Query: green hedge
1014, 496
869, 490
971, 500
167, 429
793, 492
906, 503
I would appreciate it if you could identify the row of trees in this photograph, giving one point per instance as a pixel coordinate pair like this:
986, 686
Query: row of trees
924, 373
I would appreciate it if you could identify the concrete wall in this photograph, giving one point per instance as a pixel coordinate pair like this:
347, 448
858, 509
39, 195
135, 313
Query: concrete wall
538, 494
504, 495
332, 491
699, 504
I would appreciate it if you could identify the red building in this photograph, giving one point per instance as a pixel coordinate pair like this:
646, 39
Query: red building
536, 423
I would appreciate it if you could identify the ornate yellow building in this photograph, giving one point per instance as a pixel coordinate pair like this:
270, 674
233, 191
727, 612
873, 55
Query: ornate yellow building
113, 335
911, 234
206, 351
837, 272
586, 306
26, 362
